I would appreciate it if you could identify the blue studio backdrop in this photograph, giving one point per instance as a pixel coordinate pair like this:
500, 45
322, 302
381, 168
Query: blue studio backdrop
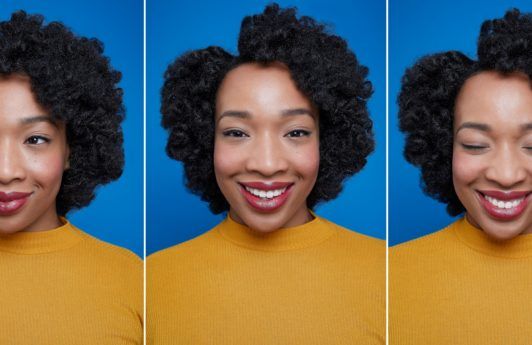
116, 214
418, 28
174, 27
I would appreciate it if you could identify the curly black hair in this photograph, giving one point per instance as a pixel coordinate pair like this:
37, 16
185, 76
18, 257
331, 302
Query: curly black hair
322, 67
429, 90
73, 80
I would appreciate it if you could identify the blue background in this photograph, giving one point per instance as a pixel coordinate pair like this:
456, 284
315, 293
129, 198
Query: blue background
419, 28
116, 215
173, 214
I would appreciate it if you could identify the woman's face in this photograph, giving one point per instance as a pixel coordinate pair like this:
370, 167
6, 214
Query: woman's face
33, 156
492, 154
266, 151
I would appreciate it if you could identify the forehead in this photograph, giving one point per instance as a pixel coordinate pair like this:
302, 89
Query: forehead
17, 100
259, 88
493, 98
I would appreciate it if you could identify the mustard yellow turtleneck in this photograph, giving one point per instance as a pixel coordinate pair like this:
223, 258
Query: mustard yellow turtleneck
316, 283
65, 287
456, 286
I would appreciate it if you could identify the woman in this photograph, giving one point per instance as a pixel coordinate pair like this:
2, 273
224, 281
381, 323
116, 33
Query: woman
468, 127
265, 136
60, 138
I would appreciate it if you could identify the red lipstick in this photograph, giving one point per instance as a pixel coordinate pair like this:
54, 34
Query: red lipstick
271, 195
504, 205
11, 203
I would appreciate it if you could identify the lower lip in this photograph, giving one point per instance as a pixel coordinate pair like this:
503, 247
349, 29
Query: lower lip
8, 208
503, 213
265, 205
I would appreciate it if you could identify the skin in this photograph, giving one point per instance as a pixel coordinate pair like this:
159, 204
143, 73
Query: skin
495, 153
266, 131
33, 156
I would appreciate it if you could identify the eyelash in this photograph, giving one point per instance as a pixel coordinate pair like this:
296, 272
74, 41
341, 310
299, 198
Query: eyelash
235, 133
37, 138
474, 147
298, 133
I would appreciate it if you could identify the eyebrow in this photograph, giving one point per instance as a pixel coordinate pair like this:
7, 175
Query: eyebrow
474, 125
297, 111
243, 114
527, 127
485, 128
37, 118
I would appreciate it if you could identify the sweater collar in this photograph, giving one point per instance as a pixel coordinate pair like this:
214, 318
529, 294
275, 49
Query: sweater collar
39, 242
476, 239
306, 235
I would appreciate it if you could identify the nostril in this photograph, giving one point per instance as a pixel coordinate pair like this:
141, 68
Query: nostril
507, 175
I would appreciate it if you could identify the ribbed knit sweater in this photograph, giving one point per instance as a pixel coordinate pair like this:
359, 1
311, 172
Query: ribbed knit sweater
63, 286
317, 283
457, 286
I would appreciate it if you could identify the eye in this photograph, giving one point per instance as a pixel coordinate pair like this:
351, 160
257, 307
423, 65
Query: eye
235, 133
297, 133
474, 147
37, 140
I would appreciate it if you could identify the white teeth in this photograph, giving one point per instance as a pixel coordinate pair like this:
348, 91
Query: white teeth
265, 194
504, 204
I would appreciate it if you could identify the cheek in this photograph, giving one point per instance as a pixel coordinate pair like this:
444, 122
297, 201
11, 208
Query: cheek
227, 160
307, 160
47, 170
467, 168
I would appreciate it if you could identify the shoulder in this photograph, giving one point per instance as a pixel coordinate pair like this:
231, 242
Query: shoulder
432, 244
352, 237
427, 255
358, 246
106, 253
118, 270
185, 251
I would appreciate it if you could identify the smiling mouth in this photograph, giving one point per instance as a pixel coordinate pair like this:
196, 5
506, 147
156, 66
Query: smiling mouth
504, 206
266, 197
263, 194
11, 203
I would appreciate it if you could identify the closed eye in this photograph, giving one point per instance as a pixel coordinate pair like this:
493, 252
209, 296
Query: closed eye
474, 147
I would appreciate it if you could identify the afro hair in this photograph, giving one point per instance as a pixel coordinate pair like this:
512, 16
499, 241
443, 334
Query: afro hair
429, 90
73, 80
322, 67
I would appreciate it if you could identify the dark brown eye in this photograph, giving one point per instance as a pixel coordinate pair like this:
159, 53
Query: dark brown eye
298, 133
37, 140
234, 133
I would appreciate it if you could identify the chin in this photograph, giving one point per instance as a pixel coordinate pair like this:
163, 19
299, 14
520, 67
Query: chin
501, 235
7, 228
262, 226
501, 231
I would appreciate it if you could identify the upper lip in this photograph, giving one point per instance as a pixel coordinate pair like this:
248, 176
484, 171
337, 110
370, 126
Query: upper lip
501, 195
266, 185
7, 197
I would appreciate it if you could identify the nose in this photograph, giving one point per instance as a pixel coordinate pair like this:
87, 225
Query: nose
11, 168
508, 168
267, 156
